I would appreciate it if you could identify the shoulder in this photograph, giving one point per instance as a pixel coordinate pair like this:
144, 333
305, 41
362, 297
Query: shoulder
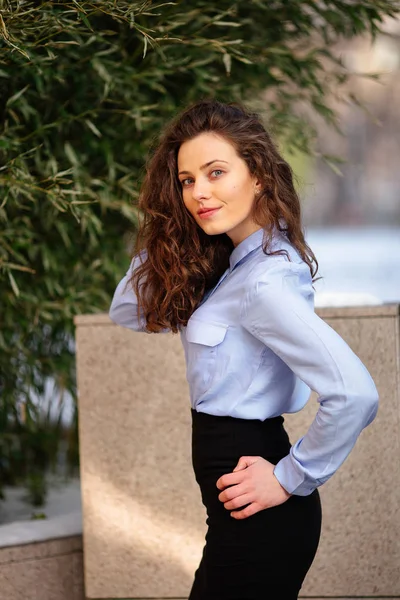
277, 283
270, 268
136, 261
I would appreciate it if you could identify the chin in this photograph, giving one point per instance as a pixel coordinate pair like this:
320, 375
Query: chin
213, 228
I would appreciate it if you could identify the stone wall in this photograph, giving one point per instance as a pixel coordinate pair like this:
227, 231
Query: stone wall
143, 520
42, 560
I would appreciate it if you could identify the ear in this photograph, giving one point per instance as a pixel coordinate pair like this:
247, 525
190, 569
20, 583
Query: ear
257, 186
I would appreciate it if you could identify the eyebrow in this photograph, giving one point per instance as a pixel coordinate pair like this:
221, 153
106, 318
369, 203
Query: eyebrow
204, 166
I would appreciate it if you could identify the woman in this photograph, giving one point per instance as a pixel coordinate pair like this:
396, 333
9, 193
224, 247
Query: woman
221, 258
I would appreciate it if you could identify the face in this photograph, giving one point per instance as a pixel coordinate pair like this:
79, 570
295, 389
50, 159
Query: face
213, 176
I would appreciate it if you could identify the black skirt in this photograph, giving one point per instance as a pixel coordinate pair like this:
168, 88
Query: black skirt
265, 556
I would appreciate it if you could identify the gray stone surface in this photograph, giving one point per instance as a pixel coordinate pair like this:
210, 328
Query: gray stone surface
144, 523
143, 518
359, 553
43, 571
28, 532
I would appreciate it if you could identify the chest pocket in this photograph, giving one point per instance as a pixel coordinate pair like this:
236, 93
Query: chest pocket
204, 339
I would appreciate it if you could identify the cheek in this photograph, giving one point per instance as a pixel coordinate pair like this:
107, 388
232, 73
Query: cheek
241, 195
189, 203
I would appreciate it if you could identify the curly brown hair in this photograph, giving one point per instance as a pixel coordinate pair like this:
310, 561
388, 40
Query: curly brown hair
182, 261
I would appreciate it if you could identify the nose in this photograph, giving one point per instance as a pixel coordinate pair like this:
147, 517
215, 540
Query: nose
201, 189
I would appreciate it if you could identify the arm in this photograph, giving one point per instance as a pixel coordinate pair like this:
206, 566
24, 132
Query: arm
123, 309
278, 310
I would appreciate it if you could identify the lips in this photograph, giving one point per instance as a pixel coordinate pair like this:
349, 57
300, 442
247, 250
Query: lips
203, 211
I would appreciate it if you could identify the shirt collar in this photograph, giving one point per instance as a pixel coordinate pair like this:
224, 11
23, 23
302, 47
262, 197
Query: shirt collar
252, 242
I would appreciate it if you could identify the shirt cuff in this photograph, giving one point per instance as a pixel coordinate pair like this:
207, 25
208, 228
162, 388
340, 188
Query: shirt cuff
291, 478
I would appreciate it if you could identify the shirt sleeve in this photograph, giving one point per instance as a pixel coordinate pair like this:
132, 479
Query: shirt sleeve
123, 309
278, 309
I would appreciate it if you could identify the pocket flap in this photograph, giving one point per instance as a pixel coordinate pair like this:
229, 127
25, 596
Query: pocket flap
204, 332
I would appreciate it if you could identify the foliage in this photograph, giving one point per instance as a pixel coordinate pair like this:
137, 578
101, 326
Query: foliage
31, 446
85, 87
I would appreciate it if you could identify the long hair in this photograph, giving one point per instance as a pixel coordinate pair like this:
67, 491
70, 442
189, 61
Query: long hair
182, 261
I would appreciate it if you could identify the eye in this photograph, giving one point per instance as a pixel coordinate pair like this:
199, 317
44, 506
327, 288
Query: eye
216, 171
184, 181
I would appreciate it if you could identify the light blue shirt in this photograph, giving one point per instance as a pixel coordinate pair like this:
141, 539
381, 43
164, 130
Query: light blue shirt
254, 349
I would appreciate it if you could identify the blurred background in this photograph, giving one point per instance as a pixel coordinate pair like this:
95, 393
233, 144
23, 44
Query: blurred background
84, 91
352, 211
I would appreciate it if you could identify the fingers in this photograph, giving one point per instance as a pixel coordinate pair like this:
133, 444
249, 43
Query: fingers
246, 461
238, 501
250, 510
229, 479
233, 492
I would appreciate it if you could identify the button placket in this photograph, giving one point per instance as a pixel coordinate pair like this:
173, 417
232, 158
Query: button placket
224, 276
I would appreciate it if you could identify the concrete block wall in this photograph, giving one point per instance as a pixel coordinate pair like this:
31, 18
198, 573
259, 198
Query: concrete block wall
143, 521
45, 570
